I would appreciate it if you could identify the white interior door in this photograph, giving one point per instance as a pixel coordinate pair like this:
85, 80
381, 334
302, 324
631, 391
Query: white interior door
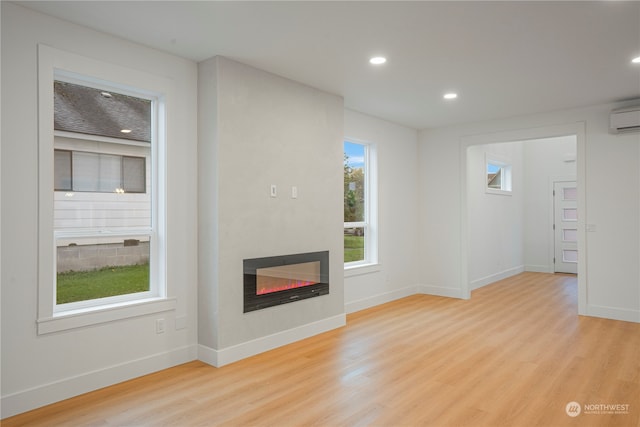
565, 202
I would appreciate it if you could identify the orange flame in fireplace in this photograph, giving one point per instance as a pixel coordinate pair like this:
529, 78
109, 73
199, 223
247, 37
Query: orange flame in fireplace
278, 285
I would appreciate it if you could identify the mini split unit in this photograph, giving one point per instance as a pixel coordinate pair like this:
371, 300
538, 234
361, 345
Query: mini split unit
625, 120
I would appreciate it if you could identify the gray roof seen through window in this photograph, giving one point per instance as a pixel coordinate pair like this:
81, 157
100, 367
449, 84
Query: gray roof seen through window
93, 111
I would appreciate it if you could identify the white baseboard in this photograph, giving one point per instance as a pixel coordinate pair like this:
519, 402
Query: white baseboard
225, 356
613, 313
36, 397
478, 283
440, 291
382, 298
538, 268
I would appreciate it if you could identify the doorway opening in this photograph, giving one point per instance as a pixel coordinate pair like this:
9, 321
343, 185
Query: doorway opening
522, 227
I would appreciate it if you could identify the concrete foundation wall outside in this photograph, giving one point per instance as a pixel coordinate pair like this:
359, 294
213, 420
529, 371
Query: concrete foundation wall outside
91, 257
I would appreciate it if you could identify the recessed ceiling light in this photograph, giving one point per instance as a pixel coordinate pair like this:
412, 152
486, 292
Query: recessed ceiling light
378, 60
126, 131
636, 60
450, 95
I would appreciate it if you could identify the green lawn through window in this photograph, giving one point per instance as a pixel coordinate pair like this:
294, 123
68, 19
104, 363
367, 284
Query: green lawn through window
353, 248
106, 282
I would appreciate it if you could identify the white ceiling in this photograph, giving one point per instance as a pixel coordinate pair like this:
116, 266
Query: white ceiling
503, 58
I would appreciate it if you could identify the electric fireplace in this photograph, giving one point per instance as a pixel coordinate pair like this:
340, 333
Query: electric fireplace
283, 279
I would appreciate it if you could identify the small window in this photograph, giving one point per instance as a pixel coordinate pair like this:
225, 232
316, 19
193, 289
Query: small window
498, 176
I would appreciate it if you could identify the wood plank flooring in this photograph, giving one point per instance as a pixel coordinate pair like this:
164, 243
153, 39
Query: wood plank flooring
514, 355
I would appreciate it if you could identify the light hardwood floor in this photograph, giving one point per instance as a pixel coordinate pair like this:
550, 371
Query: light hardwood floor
513, 355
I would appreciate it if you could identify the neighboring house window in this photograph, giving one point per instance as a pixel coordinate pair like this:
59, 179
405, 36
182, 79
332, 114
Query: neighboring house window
360, 241
498, 175
96, 172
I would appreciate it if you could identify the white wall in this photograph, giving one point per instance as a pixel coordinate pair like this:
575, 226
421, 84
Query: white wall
263, 129
397, 274
545, 160
496, 220
39, 369
609, 276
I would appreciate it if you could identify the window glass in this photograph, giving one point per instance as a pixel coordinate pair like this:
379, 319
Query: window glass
569, 255
360, 243
569, 235
101, 267
86, 171
103, 220
354, 244
96, 172
569, 193
62, 170
133, 174
569, 214
104, 173
494, 176
354, 182
498, 175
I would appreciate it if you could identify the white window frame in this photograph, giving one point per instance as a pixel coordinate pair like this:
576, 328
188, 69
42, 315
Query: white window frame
370, 224
506, 174
54, 64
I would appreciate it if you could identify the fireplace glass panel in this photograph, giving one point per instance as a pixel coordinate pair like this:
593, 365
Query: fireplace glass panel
284, 277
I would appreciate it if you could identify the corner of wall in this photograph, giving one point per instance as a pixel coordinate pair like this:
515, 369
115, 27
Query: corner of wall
207, 202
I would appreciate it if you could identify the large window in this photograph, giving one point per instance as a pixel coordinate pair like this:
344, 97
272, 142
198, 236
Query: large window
101, 192
360, 243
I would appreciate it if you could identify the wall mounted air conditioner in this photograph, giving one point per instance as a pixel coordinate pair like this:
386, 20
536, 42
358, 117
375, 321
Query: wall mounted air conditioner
625, 120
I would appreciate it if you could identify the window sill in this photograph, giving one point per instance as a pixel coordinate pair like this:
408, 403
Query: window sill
499, 192
359, 269
104, 314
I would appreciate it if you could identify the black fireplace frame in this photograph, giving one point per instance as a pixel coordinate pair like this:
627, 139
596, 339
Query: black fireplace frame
253, 301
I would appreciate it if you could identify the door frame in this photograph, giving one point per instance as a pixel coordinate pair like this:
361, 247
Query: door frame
576, 128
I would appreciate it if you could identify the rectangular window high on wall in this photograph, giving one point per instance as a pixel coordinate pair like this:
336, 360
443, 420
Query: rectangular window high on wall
360, 231
498, 175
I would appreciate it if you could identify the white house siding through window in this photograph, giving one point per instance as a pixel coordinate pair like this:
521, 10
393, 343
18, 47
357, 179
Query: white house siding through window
101, 174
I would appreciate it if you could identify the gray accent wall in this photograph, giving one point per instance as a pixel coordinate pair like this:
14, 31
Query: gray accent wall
257, 129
